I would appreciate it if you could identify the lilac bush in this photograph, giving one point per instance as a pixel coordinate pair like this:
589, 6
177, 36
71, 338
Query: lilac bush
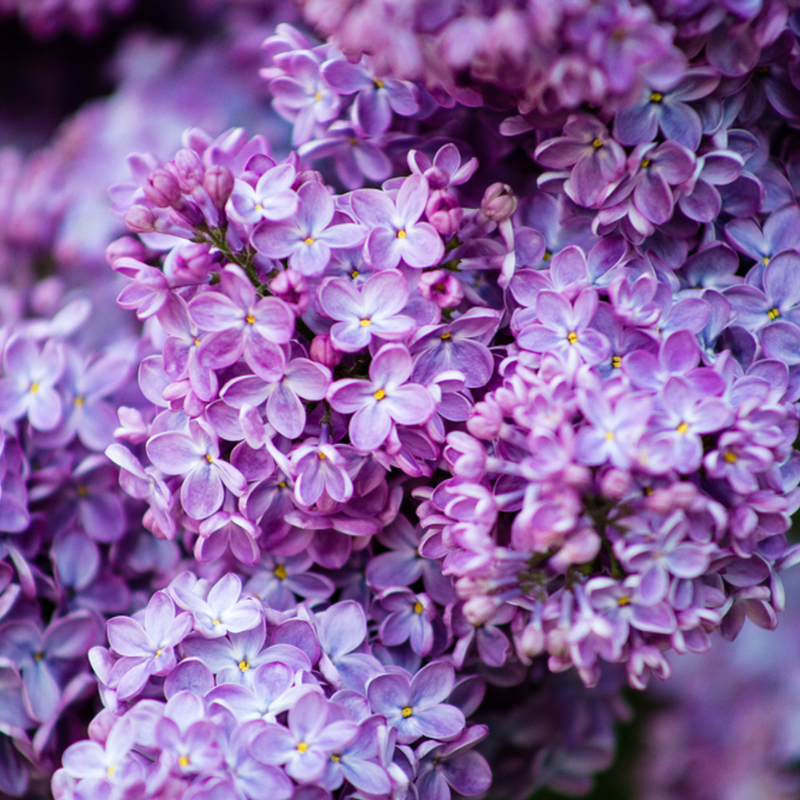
469, 366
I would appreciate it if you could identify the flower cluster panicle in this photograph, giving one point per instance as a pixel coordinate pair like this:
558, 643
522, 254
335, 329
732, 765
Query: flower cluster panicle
208, 692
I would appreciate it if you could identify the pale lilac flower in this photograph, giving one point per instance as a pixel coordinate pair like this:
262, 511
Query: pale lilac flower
395, 231
271, 198
195, 456
371, 310
383, 401
222, 610
307, 239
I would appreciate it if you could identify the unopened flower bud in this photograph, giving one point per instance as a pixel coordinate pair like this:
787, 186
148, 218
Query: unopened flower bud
125, 246
140, 219
161, 189
218, 182
444, 212
323, 352
479, 609
188, 170
291, 287
190, 263
499, 202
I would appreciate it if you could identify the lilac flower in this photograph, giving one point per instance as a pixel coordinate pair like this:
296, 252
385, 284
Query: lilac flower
107, 766
410, 619
28, 386
376, 97
415, 707
453, 765
357, 763
39, 655
307, 240
195, 456
596, 159
383, 401
223, 609
321, 472
272, 198
563, 328
242, 325
312, 737
395, 231
779, 233
285, 412
456, 346
282, 579
302, 97
147, 649
372, 310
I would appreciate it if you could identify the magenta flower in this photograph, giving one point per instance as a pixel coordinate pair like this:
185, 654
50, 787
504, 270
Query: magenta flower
244, 326
372, 310
195, 456
395, 231
382, 401
307, 239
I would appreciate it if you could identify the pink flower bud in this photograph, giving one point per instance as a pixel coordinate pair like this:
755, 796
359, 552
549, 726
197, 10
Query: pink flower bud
479, 609
125, 246
291, 287
616, 483
218, 182
323, 352
161, 189
442, 287
140, 219
188, 170
499, 202
191, 263
444, 212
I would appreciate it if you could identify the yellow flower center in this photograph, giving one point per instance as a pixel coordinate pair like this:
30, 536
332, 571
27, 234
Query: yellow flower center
79, 401
82, 491
282, 485
196, 341
773, 313
34, 387
406, 712
417, 608
379, 395
766, 260
623, 601
183, 761
645, 163
302, 747
731, 457
610, 436
250, 319
216, 622
366, 322
244, 665
446, 336
683, 428
547, 255
335, 758
110, 770
309, 240
280, 572
158, 652
401, 234
379, 83
354, 274
209, 458
572, 337
259, 207
597, 143
38, 656
616, 362
656, 97
318, 96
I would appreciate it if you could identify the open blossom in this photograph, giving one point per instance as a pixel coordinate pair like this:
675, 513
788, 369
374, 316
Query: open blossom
382, 401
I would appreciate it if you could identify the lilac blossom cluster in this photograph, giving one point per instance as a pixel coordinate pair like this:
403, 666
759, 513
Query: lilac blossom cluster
211, 693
